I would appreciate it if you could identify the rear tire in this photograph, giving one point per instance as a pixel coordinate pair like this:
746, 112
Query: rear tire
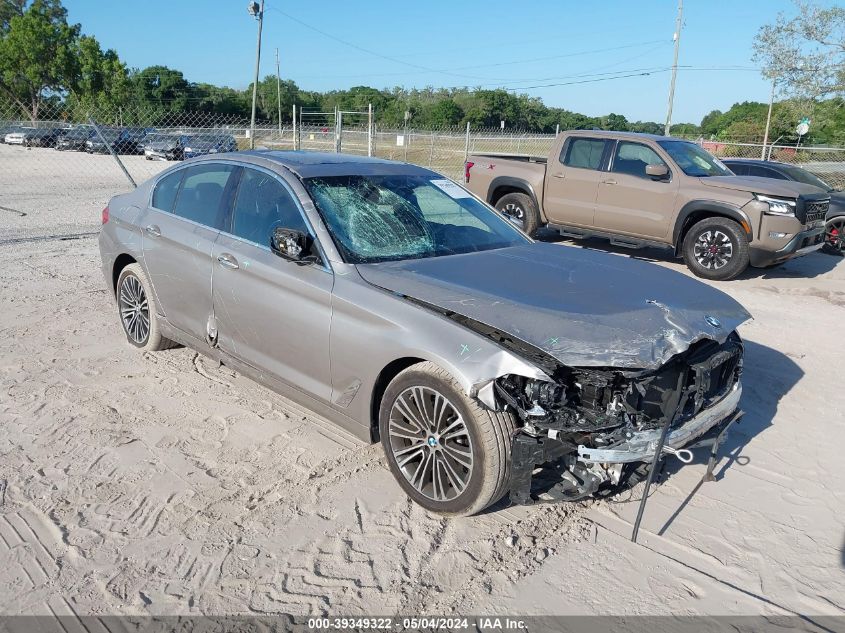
716, 248
448, 453
137, 310
520, 209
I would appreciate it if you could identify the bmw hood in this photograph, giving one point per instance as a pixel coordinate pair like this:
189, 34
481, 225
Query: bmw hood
581, 307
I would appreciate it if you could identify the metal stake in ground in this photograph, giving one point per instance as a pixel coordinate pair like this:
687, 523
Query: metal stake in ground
111, 151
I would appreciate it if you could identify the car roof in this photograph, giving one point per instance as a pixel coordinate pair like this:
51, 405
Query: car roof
612, 134
316, 164
757, 161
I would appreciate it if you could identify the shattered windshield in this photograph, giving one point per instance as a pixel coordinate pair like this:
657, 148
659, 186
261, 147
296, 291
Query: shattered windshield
393, 217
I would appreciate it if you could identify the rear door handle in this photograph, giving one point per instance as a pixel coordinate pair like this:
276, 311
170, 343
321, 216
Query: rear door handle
609, 181
227, 261
153, 230
559, 175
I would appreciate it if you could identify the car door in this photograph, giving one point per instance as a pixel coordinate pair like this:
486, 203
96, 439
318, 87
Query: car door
272, 313
630, 201
572, 181
179, 228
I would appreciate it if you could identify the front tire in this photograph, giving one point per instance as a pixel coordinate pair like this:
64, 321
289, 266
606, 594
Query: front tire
716, 248
520, 209
447, 452
137, 310
834, 236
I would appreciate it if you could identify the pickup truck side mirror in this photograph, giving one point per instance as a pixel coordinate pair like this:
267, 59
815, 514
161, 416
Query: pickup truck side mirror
657, 172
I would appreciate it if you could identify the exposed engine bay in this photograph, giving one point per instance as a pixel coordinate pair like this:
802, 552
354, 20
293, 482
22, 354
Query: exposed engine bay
596, 427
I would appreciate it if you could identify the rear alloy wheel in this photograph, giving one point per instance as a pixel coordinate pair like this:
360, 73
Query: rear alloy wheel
137, 309
716, 248
834, 236
520, 210
448, 453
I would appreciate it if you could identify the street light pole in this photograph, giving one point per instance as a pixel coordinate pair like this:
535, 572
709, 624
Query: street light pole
258, 13
279, 92
768, 121
678, 24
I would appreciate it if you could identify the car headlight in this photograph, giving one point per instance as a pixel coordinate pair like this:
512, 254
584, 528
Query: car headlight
188, 149
778, 206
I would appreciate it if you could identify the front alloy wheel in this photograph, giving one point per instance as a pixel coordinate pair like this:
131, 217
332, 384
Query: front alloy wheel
834, 236
430, 443
449, 453
713, 250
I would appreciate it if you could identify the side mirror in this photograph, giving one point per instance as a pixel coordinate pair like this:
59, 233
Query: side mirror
292, 244
658, 172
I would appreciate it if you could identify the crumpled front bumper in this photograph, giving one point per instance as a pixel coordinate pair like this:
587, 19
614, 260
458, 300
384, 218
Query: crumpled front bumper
640, 447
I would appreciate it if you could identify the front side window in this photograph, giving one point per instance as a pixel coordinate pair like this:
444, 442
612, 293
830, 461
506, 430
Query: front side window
202, 192
585, 153
394, 217
262, 205
693, 160
164, 194
633, 158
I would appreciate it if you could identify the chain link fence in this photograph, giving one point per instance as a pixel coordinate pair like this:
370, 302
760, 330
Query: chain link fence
58, 170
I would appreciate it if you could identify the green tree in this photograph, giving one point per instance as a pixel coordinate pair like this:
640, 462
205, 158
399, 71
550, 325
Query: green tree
102, 83
161, 89
805, 54
38, 55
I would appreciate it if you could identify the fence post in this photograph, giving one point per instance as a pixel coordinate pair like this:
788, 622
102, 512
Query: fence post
338, 129
369, 129
431, 151
466, 145
557, 129
294, 128
111, 151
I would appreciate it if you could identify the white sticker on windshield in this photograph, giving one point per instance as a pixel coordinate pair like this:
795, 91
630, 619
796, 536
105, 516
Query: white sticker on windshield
450, 189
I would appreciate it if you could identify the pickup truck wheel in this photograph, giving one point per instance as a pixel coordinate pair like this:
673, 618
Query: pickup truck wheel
520, 210
448, 453
834, 236
716, 248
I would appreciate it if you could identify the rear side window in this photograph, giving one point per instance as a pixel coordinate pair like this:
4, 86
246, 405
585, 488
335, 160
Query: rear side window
738, 168
584, 153
633, 158
202, 192
765, 172
164, 194
262, 205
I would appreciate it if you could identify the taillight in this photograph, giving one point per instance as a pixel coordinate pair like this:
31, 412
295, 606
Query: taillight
105, 215
467, 166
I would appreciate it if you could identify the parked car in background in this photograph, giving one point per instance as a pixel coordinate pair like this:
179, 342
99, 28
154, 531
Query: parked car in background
42, 137
8, 129
164, 146
17, 136
74, 138
119, 140
202, 144
398, 305
642, 189
835, 221
138, 135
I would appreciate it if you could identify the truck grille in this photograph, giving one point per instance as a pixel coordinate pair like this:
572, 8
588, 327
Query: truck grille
810, 211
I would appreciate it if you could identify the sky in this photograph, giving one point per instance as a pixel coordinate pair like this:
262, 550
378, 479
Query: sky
552, 49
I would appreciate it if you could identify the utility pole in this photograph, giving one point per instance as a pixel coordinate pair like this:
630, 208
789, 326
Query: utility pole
677, 38
258, 13
279, 92
768, 121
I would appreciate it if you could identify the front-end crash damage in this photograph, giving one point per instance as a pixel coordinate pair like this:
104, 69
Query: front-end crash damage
596, 426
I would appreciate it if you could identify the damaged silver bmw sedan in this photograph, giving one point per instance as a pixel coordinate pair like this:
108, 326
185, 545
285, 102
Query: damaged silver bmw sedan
395, 303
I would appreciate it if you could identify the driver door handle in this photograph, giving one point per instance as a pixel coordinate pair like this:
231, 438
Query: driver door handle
559, 175
227, 261
153, 230
609, 181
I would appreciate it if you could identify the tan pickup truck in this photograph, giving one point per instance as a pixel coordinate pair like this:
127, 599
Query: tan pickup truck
645, 190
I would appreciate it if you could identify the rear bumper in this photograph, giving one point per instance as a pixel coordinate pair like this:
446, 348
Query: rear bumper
800, 244
641, 446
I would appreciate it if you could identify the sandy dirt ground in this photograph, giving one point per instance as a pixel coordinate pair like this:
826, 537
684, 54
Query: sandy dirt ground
163, 484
